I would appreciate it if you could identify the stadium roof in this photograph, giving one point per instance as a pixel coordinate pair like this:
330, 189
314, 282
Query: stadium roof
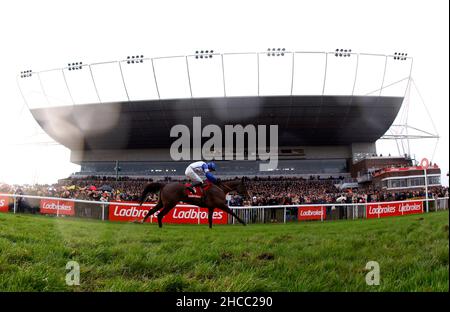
316, 98
302, 120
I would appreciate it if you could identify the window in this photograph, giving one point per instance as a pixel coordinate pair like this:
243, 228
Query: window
417, 181
434, 180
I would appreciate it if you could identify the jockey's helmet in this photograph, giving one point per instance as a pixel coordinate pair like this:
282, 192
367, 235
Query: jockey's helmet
212, 166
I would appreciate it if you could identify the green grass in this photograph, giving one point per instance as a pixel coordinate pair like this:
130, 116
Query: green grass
413, 253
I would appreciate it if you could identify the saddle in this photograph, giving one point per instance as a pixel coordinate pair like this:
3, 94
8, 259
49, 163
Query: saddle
199, 190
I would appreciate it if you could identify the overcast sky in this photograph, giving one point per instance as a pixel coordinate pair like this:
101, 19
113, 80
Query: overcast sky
42, 35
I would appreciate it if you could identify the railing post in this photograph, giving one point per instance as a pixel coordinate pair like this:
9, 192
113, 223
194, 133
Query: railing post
426, 188
284, 216
103, 212
15, 203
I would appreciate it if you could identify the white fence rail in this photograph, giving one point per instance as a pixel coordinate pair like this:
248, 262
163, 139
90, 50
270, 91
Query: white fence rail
250, 214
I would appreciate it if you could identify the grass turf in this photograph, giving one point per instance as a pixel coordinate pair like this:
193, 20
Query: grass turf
413, 253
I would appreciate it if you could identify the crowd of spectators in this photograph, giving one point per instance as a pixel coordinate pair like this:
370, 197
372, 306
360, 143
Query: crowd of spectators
292, 192
261, 191
91, 188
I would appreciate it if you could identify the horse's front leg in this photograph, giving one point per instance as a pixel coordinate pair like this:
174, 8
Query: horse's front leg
158, 206
227, 209
164, 211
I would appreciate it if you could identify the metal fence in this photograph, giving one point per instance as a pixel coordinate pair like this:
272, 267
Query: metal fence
346, 211
253, 214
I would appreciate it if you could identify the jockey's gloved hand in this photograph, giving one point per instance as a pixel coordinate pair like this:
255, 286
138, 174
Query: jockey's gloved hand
218, 181
211, 177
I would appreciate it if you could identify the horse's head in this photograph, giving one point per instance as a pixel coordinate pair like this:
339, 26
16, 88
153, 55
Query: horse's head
237, 185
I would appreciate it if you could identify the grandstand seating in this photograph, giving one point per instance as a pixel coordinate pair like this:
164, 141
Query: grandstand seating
324, 168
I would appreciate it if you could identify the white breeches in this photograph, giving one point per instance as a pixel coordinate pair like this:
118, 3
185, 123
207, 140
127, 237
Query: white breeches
191, 174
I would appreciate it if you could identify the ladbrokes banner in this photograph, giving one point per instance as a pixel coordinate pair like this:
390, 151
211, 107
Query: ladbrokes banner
312, 213
4, 203
179, 214
62, 207
380, 210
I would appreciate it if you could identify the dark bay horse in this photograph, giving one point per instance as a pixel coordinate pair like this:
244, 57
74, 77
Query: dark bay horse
172, 193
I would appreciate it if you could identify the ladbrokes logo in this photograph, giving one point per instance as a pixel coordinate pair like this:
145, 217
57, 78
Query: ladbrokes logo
3, 204
393, 209
179, 214
56, 206
312, 213
129, 211
193, 214
411, 207
50, 206
382, 210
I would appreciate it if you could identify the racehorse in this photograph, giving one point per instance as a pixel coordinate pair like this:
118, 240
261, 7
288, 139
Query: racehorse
172, 193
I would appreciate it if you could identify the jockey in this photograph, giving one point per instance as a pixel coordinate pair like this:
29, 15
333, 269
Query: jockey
198, 172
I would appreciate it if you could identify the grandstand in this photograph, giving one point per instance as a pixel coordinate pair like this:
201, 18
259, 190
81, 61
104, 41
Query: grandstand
115, 117
228, 169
